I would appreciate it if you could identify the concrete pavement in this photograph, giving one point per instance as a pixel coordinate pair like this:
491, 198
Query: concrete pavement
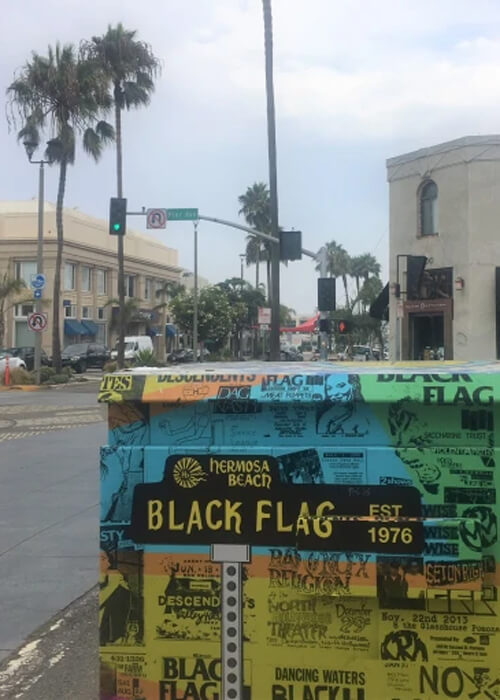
48, 510
60, 660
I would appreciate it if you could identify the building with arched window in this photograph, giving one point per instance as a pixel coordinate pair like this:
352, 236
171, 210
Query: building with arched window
444, 291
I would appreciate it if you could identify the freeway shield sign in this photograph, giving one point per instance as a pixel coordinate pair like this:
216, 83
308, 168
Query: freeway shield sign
182, 214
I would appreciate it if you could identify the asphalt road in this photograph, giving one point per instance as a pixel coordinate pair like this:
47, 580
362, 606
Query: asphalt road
49, 478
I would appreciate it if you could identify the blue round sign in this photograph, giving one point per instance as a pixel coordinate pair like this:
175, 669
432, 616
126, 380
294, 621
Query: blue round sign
38, 281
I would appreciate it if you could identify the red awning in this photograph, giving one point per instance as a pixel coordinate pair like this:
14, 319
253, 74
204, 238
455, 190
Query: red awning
308, 326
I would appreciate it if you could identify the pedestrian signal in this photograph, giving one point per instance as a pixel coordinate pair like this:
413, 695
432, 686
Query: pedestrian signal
343, 326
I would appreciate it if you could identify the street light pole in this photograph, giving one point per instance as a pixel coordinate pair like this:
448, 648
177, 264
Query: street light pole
195, 295
242, 258
273, 184
30, 149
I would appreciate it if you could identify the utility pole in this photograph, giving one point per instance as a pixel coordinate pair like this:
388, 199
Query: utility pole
273, 184
195, 294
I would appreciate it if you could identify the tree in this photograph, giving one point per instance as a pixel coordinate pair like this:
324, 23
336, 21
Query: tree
245, 301
130, 314
369, 292
369, 266
338, 264
256, 209
9, 287
214, 315
287, 316
130, 68
61, 95
357, 270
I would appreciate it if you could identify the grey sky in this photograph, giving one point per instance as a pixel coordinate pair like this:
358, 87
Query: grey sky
356, 82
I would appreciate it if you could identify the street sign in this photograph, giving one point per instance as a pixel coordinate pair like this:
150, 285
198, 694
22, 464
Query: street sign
37, 322
182, 214
264, 316
37, 281
37, 294
156, 218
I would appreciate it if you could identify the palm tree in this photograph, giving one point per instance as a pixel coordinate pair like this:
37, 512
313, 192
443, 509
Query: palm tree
9, 287
338, 264
369, 266
130, 313
130, 67
61, 95
256, 209
357, 270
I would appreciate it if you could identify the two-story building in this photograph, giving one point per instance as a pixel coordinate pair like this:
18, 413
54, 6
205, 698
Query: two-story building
89, 276
444, 248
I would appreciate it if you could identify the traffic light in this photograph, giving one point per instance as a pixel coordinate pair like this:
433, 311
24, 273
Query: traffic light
290, 245
343, 326
326, 294
117, 216
324, 325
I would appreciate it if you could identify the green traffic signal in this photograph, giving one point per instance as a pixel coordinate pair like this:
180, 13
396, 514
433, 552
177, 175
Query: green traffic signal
117, 216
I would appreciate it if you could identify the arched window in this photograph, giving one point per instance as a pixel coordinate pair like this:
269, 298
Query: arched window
428, 208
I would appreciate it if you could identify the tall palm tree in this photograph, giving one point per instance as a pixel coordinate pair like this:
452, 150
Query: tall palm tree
338, 264
130, 67
9, 287
61, 95
130, 314
255, 206
369, 266
357, 270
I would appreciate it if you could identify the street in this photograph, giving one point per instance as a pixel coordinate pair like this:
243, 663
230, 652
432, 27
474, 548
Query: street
49, 442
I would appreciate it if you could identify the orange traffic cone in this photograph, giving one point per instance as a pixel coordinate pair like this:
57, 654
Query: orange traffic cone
6, 375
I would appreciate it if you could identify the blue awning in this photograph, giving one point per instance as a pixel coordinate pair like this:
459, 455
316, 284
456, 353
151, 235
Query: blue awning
73, 327
170, 330
90, 326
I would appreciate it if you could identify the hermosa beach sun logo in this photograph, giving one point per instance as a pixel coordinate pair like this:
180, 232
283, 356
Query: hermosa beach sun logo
188, 472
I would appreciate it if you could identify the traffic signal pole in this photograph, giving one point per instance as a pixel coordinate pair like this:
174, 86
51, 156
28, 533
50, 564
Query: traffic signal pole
323, 272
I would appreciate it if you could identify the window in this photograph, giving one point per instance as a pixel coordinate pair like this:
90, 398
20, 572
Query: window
86, 312
70, 311
24, 270
23, 310
428, 208
69, 276
129, 285
100, 313
147, 288
85, 277
101, 281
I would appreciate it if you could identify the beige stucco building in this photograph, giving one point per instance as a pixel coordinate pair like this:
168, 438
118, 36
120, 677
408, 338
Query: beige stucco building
445, 205
89, 275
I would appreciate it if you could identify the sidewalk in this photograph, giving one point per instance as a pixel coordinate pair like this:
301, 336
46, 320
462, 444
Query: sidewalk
60, 660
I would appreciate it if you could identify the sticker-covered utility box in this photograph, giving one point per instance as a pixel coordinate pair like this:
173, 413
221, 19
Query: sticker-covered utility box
300, 532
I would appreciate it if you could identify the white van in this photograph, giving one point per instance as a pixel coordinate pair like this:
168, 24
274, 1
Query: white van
133, 345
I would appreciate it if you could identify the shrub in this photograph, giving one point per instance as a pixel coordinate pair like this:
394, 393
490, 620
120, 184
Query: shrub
18, 376
111, 366
146, 358
46, 374
59, 379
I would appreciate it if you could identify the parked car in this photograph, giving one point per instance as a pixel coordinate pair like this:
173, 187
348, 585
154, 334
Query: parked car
14, 362
358, 353
186, 355
27, 354
83, 355
133, 345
